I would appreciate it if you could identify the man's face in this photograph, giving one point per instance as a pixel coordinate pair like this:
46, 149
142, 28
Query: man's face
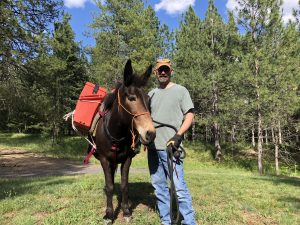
163, 74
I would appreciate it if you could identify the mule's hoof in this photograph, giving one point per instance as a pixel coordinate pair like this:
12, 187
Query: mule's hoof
127, 219
107, 222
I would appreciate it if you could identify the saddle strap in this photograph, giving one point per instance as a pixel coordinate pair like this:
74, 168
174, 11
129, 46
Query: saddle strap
88, 156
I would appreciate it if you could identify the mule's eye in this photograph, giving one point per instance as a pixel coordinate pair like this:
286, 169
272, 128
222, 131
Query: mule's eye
132, 98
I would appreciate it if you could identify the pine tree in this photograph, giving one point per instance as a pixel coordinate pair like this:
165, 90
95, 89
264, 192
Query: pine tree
215, 40
68, 73
187, 57
53, 81
167, 42
22, 26
201, 58
282, 66
263, 39
233, 96
124, 29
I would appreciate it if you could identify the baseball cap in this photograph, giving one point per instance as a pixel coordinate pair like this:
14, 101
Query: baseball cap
163, 62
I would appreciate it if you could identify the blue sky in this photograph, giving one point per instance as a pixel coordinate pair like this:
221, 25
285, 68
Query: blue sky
168, 11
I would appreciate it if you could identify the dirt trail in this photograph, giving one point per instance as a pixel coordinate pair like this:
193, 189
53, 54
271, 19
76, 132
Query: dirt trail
17, 163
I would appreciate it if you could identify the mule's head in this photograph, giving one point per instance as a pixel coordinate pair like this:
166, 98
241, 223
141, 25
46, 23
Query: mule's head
135, 102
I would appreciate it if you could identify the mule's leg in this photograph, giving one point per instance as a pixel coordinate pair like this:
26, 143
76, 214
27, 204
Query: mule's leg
124, 188
108, 169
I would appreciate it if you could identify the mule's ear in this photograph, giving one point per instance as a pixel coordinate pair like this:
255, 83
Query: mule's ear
128, 73
147, 74
148, 71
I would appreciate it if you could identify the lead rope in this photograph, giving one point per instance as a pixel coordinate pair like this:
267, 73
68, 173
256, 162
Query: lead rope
171, 170
172, 188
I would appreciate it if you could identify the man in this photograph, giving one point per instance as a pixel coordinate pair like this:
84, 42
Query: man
170, 104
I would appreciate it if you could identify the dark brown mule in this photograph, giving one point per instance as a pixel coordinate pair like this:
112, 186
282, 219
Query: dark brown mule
127, 112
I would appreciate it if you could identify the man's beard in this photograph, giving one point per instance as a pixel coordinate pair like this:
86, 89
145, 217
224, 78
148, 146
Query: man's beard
164, 79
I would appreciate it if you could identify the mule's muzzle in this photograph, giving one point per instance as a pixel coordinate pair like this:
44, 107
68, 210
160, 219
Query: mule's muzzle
148, 137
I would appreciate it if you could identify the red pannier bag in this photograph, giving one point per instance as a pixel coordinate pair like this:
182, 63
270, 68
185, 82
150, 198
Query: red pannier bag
87, 106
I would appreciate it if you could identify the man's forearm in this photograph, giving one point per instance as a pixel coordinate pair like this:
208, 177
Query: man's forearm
188, 120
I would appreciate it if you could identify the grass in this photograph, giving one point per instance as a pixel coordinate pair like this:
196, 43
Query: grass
68, 147
222, 194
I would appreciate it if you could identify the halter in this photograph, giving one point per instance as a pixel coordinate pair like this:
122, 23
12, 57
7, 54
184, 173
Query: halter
133, 117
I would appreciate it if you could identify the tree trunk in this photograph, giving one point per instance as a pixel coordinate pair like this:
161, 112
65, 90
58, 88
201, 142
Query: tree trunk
218, 152
215, 108
53, 133
279, 134
259, 122
275, 139
273, 134
193, 131
233, 139
276, 158
266, 137
259, 144
253, 137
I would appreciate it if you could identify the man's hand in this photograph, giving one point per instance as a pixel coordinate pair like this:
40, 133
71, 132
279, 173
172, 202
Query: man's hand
175, 141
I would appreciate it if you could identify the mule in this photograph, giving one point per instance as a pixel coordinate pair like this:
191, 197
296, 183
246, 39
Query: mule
125, 123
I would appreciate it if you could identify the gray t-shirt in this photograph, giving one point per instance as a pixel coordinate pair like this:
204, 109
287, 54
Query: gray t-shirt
169, 106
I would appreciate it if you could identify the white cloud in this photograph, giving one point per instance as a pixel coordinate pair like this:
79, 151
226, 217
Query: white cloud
287, 6
174, 6
76, 3
231, 4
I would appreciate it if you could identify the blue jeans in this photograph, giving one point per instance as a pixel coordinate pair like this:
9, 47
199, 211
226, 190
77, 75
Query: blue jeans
158, 166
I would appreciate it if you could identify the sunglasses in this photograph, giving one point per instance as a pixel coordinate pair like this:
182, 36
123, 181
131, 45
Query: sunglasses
166, 69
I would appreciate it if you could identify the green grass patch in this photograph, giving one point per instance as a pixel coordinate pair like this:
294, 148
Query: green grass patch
220, 196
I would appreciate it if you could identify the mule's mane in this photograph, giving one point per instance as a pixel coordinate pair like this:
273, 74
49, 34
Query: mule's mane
110, 97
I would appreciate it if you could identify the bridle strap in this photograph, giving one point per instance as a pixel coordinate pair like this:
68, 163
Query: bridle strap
133, 117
